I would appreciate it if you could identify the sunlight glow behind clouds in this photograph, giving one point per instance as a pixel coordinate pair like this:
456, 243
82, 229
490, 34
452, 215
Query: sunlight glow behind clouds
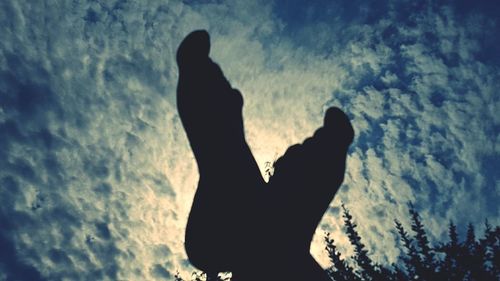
98, 175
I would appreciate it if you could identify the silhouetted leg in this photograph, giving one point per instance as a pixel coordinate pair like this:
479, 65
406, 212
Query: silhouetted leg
233, 224
223, 215
282, 267
305, 181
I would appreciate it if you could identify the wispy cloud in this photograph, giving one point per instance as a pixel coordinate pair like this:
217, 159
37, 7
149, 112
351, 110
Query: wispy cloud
98, 177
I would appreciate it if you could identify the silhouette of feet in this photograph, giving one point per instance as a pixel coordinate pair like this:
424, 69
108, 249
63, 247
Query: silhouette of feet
223, 209
238, 222
307, 177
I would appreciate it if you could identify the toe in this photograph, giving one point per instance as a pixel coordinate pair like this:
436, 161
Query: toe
195, 47
337, 123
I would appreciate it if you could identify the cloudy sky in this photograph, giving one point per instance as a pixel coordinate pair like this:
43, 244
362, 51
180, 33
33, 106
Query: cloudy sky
97, 177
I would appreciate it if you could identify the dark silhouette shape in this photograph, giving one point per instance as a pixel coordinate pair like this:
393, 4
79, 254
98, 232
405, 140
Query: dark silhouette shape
237, 220
471, 259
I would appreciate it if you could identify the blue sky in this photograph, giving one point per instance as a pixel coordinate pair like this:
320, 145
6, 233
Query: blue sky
97, 177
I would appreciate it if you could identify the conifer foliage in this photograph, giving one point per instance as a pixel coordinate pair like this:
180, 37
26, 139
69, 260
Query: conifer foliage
470, 259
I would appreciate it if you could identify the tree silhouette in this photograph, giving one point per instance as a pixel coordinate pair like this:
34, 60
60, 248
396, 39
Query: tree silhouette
449, 265
491, 247
365, 264
411, 260
340, 269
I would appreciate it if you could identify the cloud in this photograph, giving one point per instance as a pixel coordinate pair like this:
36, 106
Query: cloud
98, 177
